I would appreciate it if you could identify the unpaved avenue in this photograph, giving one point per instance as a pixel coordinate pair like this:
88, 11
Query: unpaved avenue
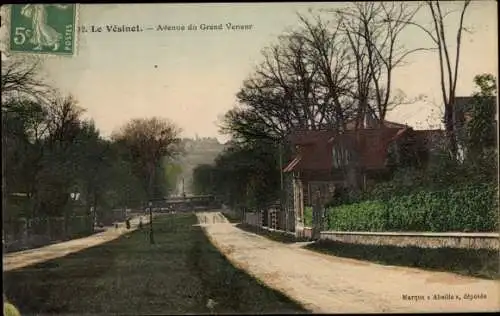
328, 284
21, 259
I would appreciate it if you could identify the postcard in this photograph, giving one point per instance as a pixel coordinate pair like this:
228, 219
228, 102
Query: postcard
249, 158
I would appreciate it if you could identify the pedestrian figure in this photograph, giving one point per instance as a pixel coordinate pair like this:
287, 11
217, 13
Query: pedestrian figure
140, 223
116, 225
127, 223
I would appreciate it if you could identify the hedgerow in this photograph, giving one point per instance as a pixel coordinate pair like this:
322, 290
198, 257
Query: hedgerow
472, 208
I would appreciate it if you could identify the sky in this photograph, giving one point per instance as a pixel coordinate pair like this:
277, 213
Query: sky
198, 73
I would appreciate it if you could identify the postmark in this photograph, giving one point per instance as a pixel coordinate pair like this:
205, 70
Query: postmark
43, 28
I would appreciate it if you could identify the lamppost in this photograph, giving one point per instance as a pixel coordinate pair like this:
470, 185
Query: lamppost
92, 219
4, 178
151, 237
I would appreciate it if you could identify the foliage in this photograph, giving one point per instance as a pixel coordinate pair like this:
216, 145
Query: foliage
407, 152
51, 151
9, 309
342, 195
172, 172
441, 169
308, 216
146, 143
203, 177
481, 128
469, 208
244, 176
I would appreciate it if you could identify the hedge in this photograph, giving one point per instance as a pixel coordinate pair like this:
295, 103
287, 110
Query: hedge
308, 215
469, 209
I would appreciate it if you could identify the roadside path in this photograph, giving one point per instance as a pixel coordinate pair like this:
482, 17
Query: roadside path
329, 284
21, 259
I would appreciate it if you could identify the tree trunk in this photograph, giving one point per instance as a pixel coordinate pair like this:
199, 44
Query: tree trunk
4, 183
150, 196
450, 129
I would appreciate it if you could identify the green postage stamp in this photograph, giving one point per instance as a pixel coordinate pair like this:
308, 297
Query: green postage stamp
43, 28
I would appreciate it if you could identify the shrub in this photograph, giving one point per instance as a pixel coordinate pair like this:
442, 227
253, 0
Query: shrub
470, 208
363, 216
308, 213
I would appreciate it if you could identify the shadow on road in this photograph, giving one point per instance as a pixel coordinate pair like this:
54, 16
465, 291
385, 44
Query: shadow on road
470, 262
177, 275
479, 263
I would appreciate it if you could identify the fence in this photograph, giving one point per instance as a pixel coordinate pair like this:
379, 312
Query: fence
24, 233
116, 215
272, 218
402, 239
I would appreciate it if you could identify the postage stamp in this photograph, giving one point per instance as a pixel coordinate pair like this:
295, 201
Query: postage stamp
43, 28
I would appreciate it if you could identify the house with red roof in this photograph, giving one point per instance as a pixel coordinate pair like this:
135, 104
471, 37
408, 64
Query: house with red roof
326, 159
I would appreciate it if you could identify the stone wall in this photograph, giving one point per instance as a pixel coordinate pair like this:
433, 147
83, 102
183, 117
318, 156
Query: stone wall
422, 240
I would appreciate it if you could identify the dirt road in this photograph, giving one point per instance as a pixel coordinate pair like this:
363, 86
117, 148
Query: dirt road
21, 259
328, 284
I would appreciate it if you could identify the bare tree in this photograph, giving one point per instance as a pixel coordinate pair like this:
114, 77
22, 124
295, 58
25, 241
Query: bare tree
63, 120
448, 70
302, 84
20, 80
329, 53
374, 33
447, 66
280, 94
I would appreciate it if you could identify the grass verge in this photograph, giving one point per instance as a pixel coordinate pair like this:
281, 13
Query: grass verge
177, 275
477, 263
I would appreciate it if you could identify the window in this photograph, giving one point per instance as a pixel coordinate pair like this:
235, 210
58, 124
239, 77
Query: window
341, 156
336, 157
347, 156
